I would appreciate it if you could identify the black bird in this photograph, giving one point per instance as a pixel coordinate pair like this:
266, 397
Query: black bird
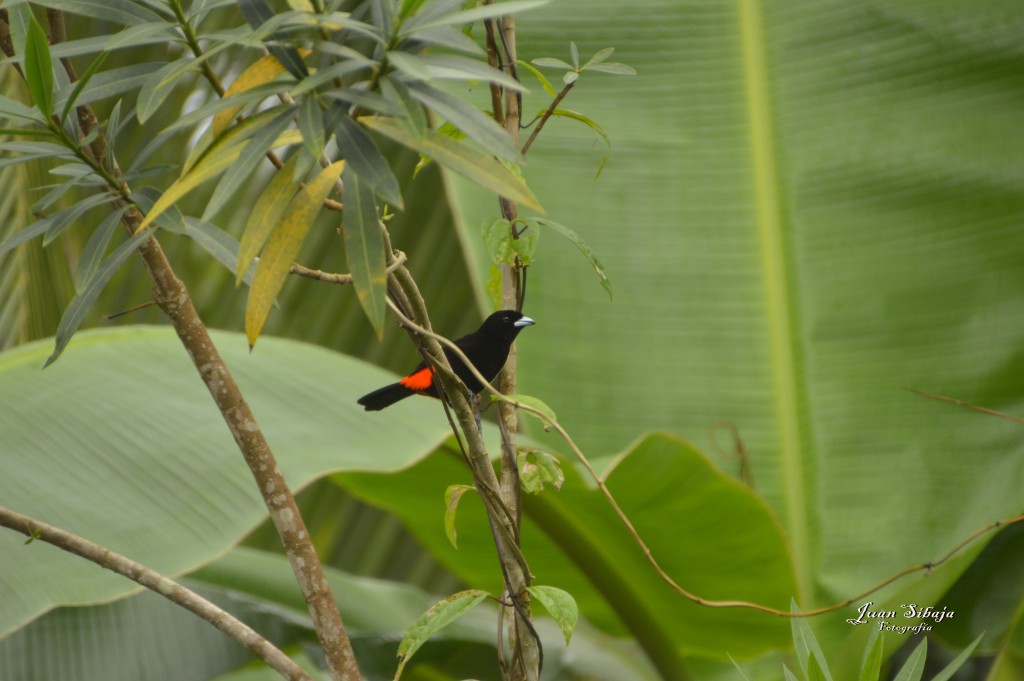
487, 348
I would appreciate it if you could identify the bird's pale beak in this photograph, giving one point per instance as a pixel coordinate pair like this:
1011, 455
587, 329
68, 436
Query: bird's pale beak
524, 321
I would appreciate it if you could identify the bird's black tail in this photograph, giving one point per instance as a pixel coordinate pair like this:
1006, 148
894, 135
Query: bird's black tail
385, 397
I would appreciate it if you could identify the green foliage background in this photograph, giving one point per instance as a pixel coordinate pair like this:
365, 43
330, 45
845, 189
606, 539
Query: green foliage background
809, 207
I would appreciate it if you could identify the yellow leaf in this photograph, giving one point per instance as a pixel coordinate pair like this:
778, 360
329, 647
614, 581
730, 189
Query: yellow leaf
268, 209
221, 154
261, 71
283, 246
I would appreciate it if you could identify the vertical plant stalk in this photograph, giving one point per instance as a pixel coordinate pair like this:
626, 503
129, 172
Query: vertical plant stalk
526, 652
171, 295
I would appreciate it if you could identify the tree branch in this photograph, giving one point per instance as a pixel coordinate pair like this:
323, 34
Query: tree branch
158, 583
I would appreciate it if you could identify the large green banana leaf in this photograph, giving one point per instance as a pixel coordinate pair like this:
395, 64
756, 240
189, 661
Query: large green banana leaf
119, 442
810, 206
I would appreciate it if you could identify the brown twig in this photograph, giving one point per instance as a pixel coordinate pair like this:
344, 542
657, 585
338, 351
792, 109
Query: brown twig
333, 278
158, 583
546, 115
527, 657
966, 405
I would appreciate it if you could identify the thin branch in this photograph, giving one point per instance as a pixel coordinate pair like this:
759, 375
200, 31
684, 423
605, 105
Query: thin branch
966, 405
159, 584
333, 278
546, 115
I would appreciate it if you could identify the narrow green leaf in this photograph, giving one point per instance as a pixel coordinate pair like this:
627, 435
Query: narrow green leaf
459, 158
947, 673
409, 8
117, 11
53, 152
814, 671
218, 243
807, 647
251, 156
560, 605
82, 82
456, 67
447, 37
37, 228
452, 496
570, 77
574, 52
790, 676
25, 132
743, 674
409, 65
871, 667
365, 159
576, 116
283, 246
553, 63
111, 83
599, 56
471, 15
433, 620
411, 116
544, 82
59, 190
39, 149
171, 220
13, 109
913, 668
269, 207
311, 125
80, 304
364, 248
65, 218
584, 249
39, 67
92, 254
329, 74
230, 103
157, 32
470, 120
614, 68
258, 13
371, 101
20, 16
340, 21
157, 86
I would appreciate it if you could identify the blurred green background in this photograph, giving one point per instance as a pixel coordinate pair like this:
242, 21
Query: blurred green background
808, 208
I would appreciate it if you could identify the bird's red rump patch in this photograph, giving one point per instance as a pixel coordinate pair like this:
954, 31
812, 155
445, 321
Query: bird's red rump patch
419, 381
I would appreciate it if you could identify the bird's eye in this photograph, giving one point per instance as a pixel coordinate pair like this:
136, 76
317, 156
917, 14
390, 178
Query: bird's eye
506, 319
